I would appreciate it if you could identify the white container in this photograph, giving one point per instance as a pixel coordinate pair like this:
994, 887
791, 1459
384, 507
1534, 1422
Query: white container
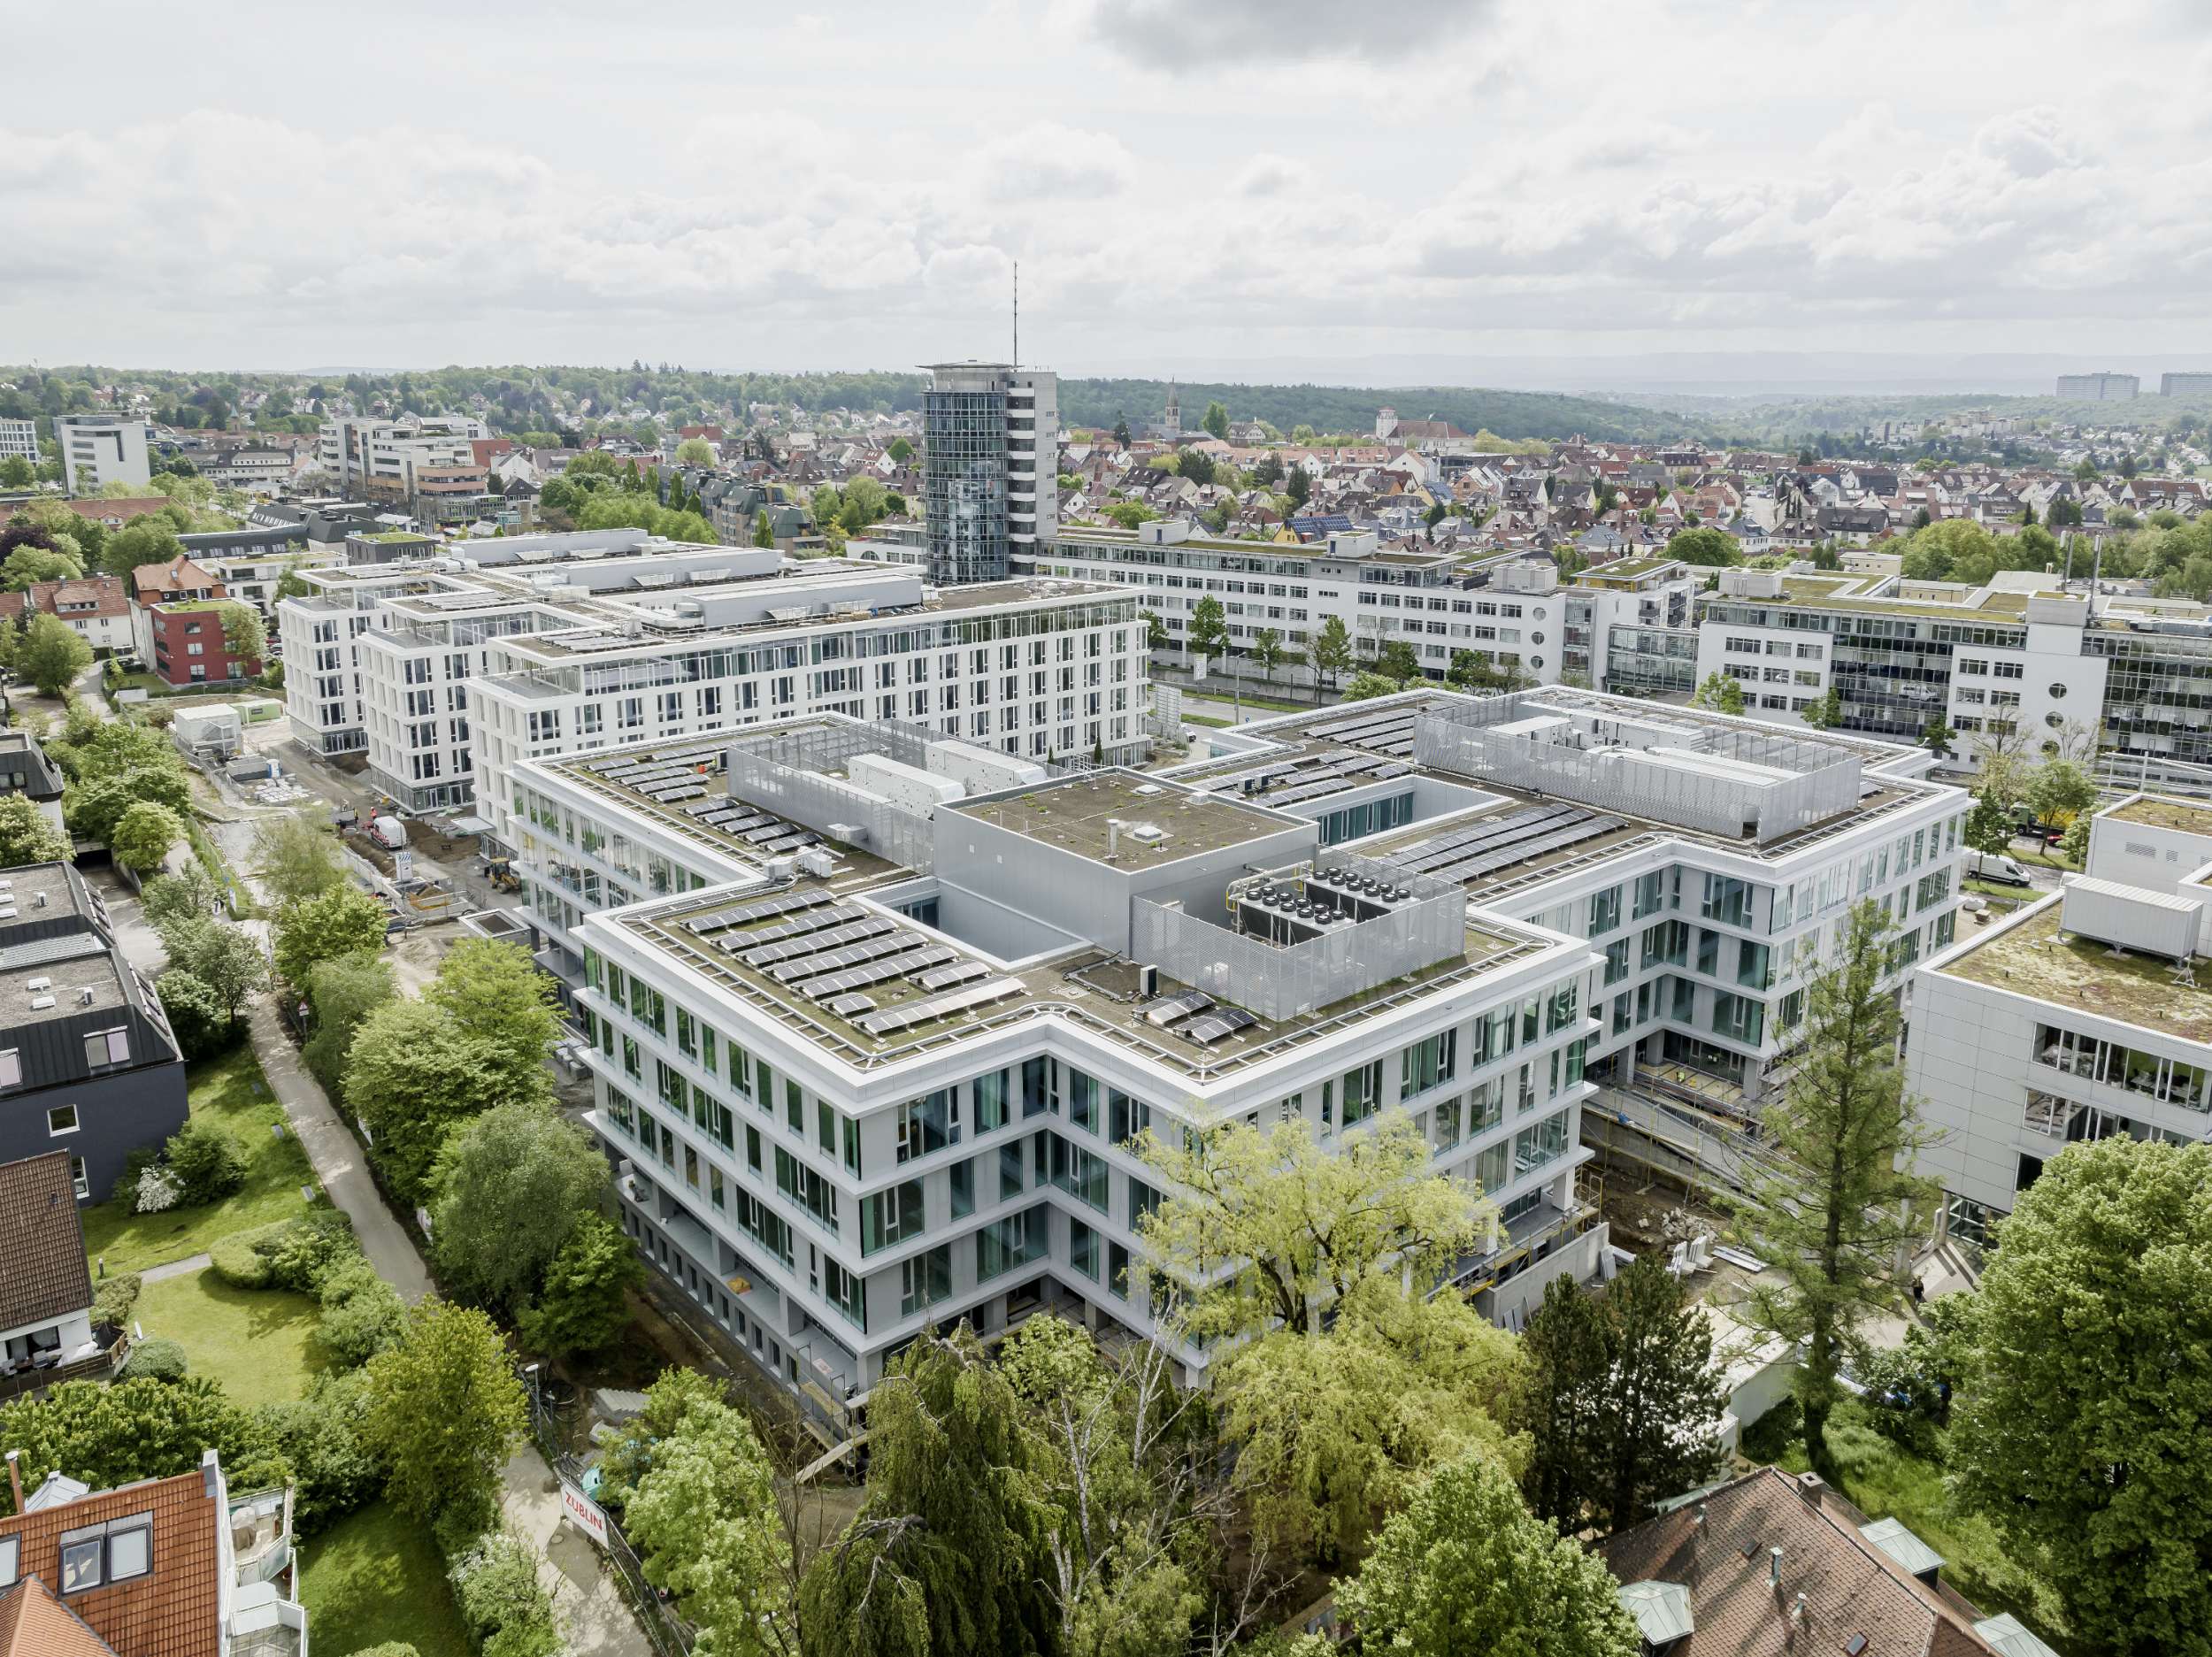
389, 832
2148, 922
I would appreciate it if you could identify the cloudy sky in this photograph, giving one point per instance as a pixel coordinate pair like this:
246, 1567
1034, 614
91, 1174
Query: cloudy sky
1186, 185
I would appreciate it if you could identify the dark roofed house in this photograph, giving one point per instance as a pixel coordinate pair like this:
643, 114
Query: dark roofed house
46, 1328
1773, 1563
24, 769
178, 1567
88, 1064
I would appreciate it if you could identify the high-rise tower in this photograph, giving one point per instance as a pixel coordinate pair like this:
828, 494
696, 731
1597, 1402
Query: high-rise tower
990, 469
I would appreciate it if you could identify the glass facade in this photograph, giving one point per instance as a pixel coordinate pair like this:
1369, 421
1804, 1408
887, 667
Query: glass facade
964, 484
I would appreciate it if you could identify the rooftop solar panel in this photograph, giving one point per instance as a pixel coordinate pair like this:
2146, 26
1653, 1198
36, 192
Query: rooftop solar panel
782, 904
849, 1005
1168, 1009
893, 1019
946, 977
813, 941
1215, 1025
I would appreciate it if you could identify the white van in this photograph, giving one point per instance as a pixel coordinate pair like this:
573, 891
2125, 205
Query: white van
1996, 868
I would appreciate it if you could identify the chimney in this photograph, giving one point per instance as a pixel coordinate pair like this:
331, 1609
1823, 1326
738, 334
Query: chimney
1811, 1486
15, 1479
1774, 1569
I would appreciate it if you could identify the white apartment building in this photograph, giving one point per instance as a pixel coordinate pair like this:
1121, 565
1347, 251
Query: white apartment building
2082, 1016
450, 672
873, 1014
1510, 610
19, 440
381, 458
97, 449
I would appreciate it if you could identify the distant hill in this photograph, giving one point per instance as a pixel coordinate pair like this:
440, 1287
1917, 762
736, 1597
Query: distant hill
1514, 414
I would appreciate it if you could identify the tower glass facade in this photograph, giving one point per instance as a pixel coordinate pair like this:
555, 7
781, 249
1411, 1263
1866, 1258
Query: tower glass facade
965, 478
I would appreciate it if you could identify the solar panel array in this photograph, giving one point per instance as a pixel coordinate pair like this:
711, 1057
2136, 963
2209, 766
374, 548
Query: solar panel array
850, 1006
891, 1020
834, 960
1213, 1026
1498, 843
805, 920
815, 942
856, 978
946, 977
1310, 778
1390, 732
1169, 1009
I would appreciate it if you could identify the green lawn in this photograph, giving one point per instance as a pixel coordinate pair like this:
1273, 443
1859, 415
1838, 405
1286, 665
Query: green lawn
1200, 718
1884, 1481
222, 1092
375, 1575
259, 1343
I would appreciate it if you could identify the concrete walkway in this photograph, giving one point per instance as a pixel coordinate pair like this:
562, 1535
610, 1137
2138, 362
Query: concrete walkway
599, 1619
332, 1148
176, 1269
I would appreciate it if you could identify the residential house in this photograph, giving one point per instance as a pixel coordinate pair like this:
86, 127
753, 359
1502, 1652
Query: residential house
24, 769
188, 644
96, 605
46, 1328
181, 578
179, 1566
88, 1063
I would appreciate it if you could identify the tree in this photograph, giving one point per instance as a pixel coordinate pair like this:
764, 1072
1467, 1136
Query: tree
244, 637
764, 531
1129, 514
341, 921
196, 1013
1155, 633
1309, 1222
1559, 1403
1268, 651
95, 806
51, 654
151, 539
1659, 1422
1396, 660
27, 565
1823, 713
706, 1519
2074, 844
2060, 788
1208, 632
1332, 652
296, 858
1365, 686
494, 994
1936, 736
2081, 1433
1216, 420
1712, 548
444, 1410
116, 1434
343, 993
1121, 433
946, 1552
1988, 827
292, 583
1298, 485
1466, 1568
1831, 1214
26, 835
143, 835
226, 959
413, 1076
696, 452
1719, 692
509, 1186
582, 1304
192, 894
900, 451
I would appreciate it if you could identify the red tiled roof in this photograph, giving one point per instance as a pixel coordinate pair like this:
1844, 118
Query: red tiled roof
172, 1611
180, 574
126, 507
41, 1237
104, 591
1850, 1585
34, 1623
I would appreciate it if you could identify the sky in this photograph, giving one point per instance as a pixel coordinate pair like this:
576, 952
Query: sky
1189, 186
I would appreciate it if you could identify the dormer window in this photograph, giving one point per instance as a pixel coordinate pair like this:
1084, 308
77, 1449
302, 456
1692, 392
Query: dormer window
104, 1048
100, 1556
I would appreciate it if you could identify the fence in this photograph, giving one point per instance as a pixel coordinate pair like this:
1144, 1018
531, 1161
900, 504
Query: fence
663, 1630
786, 771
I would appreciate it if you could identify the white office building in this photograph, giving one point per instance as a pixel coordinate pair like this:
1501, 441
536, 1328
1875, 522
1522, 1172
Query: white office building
2084, 1015
97, 449
990, 467
19, 440
381, 458
872, 1013
1510, 610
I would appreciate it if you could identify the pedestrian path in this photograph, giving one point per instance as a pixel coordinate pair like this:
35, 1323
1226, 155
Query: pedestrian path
183, 1268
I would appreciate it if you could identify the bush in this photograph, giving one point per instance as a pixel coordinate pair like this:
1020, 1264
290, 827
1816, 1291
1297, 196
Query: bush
362, 1313
334, 1467
1768, 1437
196, 1013
238, 1258
504, 1606
157, 1192
390, 1648
154, 1360
125, 1191
206, 1162
300, 1254
115, 1299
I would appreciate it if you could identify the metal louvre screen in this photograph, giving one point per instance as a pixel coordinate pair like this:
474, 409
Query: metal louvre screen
1716, 779
784, 772
1280, 983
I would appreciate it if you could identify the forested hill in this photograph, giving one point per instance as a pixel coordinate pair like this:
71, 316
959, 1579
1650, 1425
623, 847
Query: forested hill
1514, 414
569, 401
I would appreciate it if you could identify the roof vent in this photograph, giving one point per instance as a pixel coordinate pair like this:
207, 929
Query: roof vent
38, 984
84, 995
39, 1003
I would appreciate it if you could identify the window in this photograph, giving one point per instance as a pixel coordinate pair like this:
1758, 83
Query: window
928, 1124
11, 1550
890, 1216
1363, 1092
104, 1047
60, 1120
11, 1068
117, 1552
848, 1292
1126, 1117
990, 1101
924, 1280
1078, 1172
1013, 1242
79, 1179
960, 1180
81, 1562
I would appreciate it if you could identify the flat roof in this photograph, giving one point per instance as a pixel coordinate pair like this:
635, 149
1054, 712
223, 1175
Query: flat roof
1079, 813
2032, 957
2157, 811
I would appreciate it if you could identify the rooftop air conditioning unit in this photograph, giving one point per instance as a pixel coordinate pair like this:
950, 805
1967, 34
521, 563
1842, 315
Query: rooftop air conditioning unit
40, 983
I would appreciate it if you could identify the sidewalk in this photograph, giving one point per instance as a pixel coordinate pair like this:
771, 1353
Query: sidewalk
600, 1620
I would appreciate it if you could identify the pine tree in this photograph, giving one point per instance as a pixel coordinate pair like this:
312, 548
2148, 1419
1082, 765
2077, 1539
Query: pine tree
1831, 1213
1557, 1403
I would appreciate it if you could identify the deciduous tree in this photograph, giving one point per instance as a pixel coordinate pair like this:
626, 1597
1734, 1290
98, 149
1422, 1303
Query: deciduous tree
510, 1187
295, 858
341, 921
115, 1434
143, 834
1332, 653
26, 836
2082, 1433
444, 1410
1709, 547
1208, 633
494, 995
413, 1076
51, 654
1832, 1215
226, 959
1719, 692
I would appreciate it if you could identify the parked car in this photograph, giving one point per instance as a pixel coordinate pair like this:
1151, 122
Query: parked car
1995, 868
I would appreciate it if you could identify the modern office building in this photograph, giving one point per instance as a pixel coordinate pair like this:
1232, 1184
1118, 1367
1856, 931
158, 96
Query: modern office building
2183, 385
416, 461
447, 673
1623, 626
19, 440
990, 467
97, 449
2084, 1015
88, 1064
874, 1012
2099, 387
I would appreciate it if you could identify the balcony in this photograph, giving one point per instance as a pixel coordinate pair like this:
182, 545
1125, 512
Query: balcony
99, 1365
